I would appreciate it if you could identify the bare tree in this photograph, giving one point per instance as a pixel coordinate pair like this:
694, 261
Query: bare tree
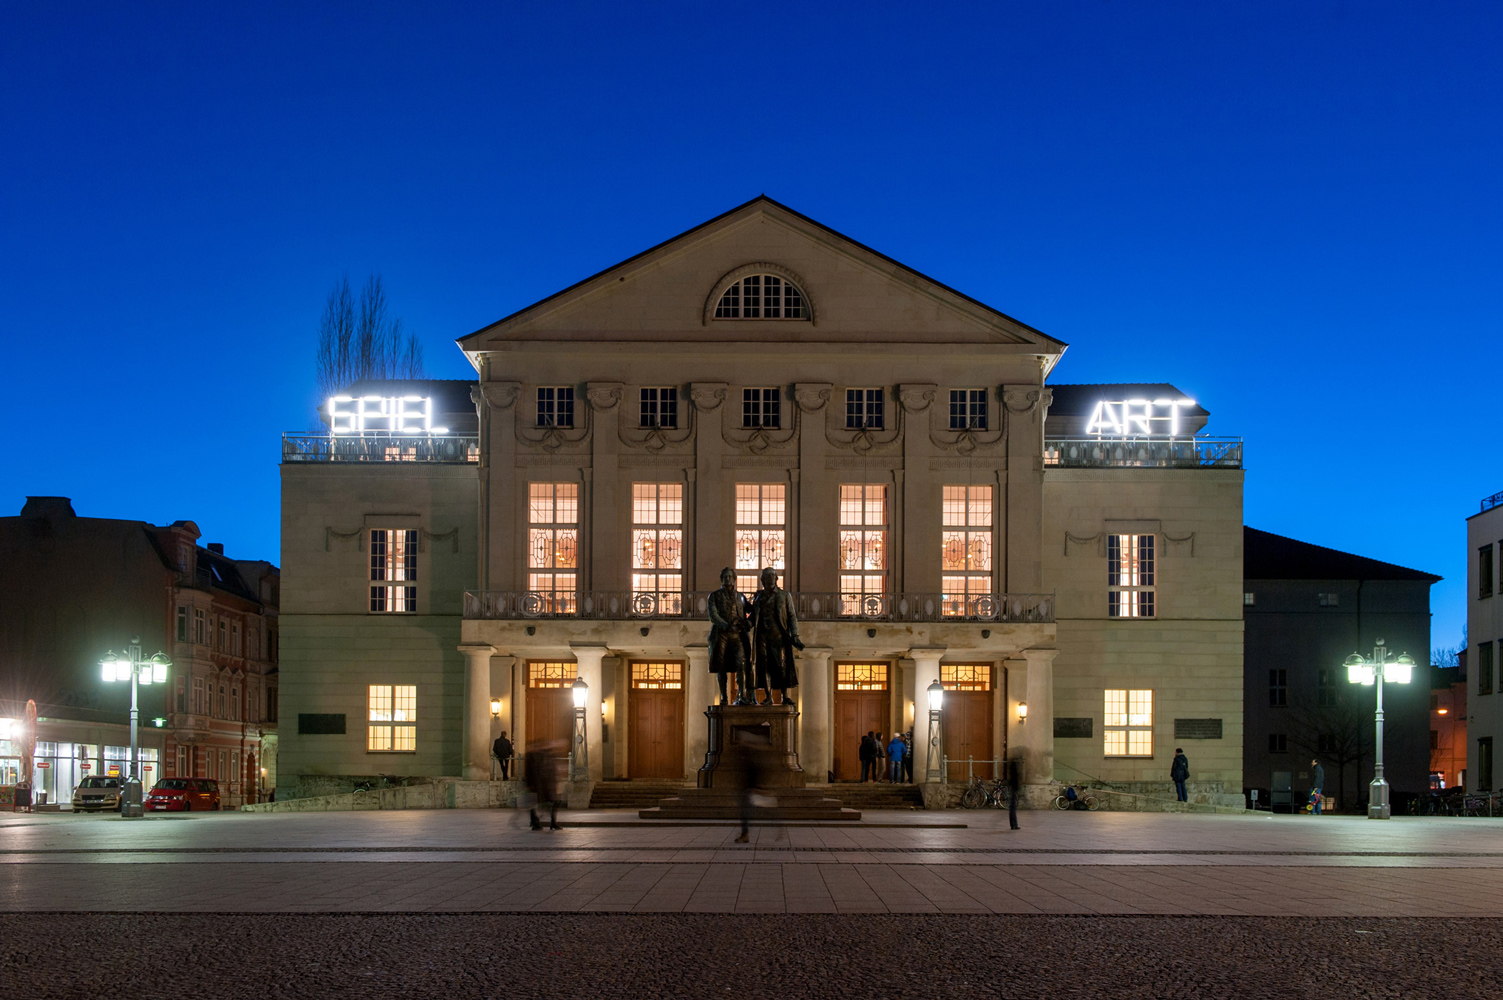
357, 342
1449, 656
1339, 732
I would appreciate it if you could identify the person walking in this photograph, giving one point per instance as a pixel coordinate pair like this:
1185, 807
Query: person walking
867, 754
879, 758
502, 751
1317, 786
1014, 787
895, 758
908, 756
1179, 773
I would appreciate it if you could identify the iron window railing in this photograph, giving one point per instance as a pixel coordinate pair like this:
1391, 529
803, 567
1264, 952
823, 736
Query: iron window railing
1143, 452
613, 605
462, 449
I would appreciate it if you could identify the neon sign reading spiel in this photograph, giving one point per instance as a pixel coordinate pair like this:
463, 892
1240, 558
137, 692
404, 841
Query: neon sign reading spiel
409, 415
1129, 417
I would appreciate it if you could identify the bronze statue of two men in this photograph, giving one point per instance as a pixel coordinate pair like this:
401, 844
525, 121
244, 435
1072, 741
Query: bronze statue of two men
756, 641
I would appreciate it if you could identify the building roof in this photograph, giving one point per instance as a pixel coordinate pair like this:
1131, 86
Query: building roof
1266, 556
1080, 399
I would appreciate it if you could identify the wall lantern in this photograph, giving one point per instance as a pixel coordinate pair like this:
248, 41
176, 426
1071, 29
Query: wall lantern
495, 708
1022, 711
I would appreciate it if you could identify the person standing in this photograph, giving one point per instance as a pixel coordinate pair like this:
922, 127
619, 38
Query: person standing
908, 756
879, 758
866, 755
503, 750
1317, 786
895, 751
1179, 773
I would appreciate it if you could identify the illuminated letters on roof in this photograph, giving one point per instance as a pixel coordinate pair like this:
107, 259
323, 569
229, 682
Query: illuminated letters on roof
398, 415
1137, 417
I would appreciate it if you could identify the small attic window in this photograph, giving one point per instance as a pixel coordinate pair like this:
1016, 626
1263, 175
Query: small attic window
762, 296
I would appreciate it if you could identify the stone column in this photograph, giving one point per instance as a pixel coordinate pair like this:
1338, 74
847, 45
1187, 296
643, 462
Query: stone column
477, 712
699, 692
588, 659
814, 712
502, 668
925, 672
1040, 725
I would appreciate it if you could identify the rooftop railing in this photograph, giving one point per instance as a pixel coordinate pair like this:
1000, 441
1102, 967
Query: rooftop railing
1143, 452
459, 449
513, 605
1488, 503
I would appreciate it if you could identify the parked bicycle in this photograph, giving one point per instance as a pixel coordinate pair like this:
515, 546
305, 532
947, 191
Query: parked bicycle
982, 793
1072, 798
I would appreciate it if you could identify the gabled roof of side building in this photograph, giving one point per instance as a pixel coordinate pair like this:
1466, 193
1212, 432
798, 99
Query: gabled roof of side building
1266, 556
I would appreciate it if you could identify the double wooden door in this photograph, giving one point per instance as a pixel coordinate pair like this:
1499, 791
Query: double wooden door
967, 732
655, 733
550, 715
856, 714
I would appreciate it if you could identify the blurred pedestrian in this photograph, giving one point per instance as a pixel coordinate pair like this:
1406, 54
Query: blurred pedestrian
502, 750
908, 756
895, 751
1317, 786
1179, 773
867, 755
1014, 786
544, 781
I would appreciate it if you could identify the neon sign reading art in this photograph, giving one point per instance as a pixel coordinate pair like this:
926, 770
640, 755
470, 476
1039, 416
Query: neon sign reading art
1131, 417
406, 415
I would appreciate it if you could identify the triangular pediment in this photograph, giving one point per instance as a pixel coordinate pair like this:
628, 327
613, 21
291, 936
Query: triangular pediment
855, 294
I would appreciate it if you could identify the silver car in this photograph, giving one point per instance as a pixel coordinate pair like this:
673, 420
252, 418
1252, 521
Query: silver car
99, 792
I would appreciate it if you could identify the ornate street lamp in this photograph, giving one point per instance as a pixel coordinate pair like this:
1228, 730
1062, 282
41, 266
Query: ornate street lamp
131, 666
579, 760
1369, 673
936, 707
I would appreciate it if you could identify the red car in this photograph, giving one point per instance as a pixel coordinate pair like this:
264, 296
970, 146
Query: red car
183, 794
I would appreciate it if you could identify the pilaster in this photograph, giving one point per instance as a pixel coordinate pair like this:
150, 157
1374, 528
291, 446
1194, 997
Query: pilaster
814, 676
588, 660
477, 712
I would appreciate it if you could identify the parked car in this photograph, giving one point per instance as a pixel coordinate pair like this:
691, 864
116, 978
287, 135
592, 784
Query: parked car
99, 792
183, 795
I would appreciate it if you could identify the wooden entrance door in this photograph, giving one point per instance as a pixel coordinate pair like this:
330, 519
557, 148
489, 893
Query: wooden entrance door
862, 705
967, 721
550, 702
655, 720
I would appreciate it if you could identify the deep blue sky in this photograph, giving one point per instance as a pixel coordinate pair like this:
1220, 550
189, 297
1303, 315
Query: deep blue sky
1290, 210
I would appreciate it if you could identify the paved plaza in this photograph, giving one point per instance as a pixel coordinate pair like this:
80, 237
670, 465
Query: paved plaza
470, 903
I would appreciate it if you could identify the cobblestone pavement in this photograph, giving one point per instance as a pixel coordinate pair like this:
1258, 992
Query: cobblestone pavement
639, 956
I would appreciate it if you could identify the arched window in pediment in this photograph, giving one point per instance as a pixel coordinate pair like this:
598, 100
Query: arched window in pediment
762, 296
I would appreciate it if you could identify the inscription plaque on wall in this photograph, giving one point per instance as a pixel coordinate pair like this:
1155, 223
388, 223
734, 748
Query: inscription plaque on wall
1074, 729
320, 725
1197, 729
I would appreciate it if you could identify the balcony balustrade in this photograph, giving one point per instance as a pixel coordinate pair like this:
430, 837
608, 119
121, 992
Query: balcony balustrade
1488, 503
501, 605
458, 449
1143, 452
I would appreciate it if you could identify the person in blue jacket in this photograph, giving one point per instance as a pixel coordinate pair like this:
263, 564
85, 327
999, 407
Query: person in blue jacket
895, 750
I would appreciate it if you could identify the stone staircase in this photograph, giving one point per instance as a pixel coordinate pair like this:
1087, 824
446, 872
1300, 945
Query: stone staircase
635, 794
874, 796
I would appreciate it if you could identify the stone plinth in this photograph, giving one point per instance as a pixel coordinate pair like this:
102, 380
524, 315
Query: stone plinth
780, 804
751, 744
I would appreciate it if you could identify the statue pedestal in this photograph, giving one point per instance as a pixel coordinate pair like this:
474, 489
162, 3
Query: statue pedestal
751, 768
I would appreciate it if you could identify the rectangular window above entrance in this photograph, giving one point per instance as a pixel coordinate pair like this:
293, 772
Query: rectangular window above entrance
553, 546
861, 677
863, 548
761, 512
651, 676
657, 546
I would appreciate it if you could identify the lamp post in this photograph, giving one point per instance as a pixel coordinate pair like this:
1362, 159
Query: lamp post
130, 665
936, 706
1373, 672
579, 760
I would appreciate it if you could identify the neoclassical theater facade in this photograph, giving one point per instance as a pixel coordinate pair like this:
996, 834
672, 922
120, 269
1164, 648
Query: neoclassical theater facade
1063, 560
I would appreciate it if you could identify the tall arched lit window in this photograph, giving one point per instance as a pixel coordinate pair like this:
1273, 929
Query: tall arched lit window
762, 296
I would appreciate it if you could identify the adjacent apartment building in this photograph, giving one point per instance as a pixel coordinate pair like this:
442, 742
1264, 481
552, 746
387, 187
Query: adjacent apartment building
1063, 561
1484, 621
82, 586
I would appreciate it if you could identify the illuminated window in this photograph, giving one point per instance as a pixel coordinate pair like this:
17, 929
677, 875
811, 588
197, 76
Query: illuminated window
660, 407
1129, 723
759, 408
553, 545
657, 676
393, 566
761, 512
393, 718
556, 406
966, 548
965, 676
861, 677
863, 408
1129, 576
657, 548
551, 673
863, 548
762, 296
967, 409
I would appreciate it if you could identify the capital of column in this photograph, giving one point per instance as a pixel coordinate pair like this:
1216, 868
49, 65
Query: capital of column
927, 655
477, 649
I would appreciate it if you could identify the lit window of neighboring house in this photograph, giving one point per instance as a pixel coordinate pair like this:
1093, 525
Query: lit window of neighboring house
967, 409
1129, 723
863, 408
762, 296
863, 547
553, 546
393, 568
657, 547
759, 408
556, 406
761, 512
1130, 576
393, 718
966, 547
660, 407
